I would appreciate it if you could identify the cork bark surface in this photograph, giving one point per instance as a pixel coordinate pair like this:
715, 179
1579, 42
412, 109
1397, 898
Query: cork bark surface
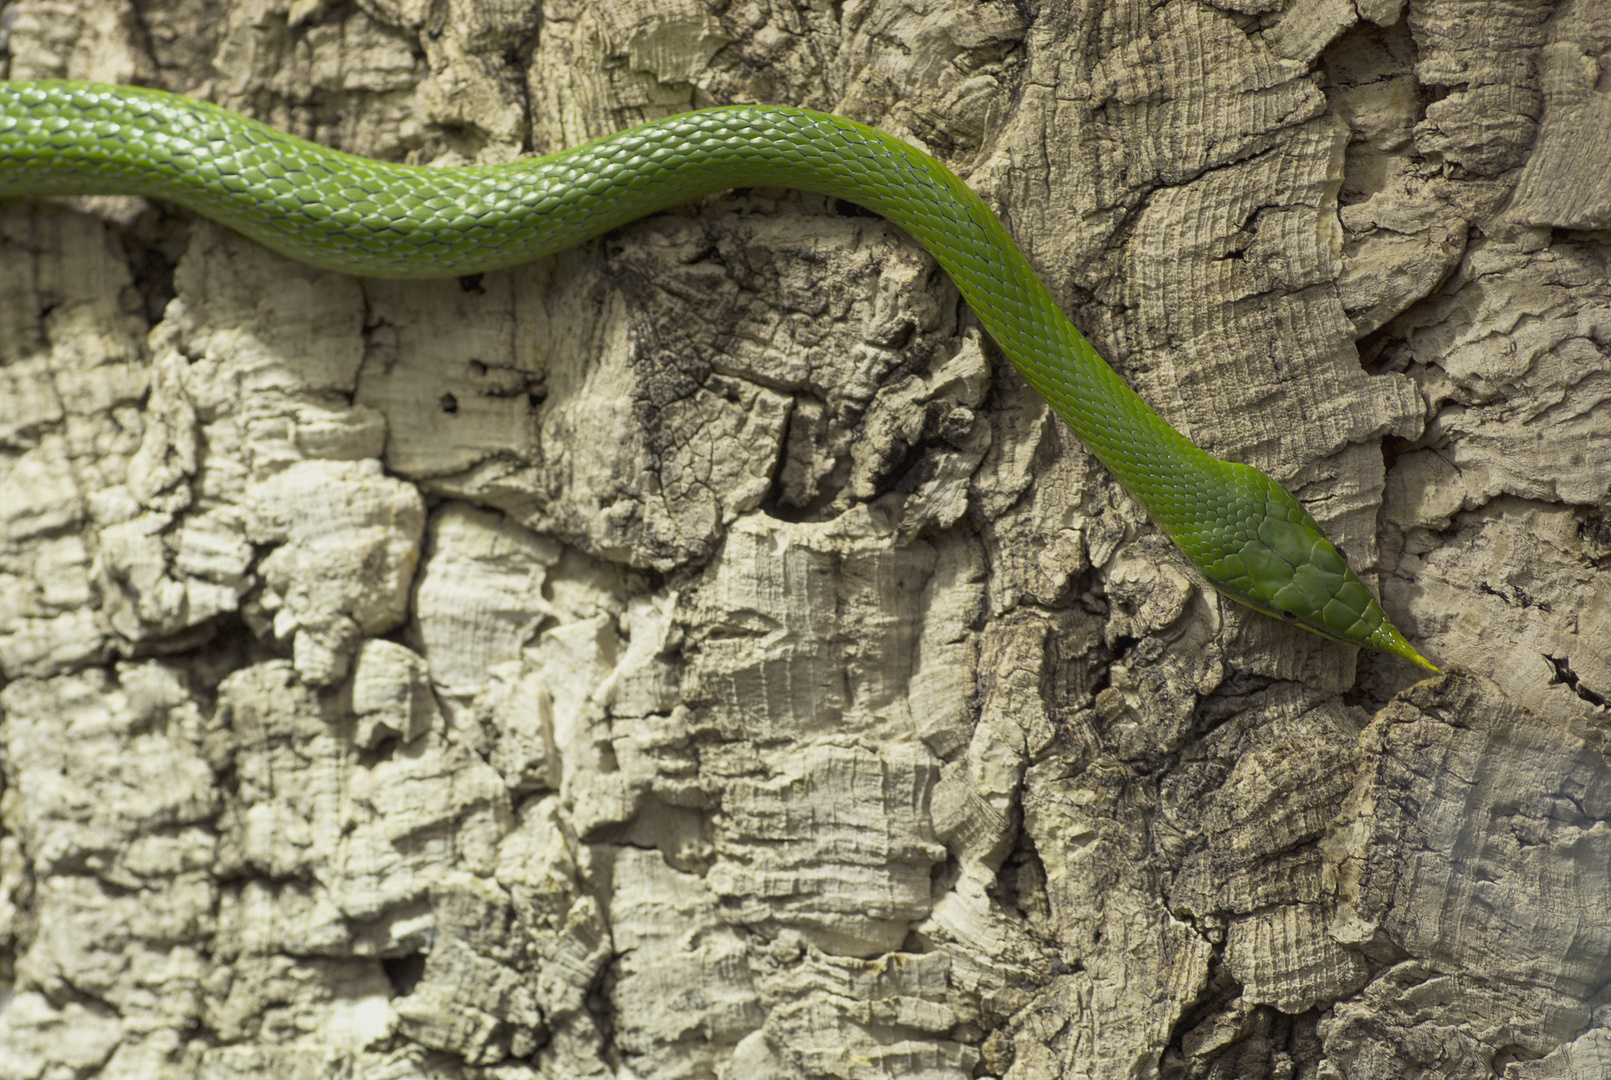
699, 655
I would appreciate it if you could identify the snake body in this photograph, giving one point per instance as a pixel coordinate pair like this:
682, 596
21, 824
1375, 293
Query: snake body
1247, 534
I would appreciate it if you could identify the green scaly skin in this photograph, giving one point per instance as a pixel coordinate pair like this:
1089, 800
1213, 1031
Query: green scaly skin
1247, 535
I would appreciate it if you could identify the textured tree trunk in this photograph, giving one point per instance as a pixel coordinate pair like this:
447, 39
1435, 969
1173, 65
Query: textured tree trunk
700, 655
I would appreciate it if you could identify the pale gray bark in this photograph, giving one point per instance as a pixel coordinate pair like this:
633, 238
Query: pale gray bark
699, 655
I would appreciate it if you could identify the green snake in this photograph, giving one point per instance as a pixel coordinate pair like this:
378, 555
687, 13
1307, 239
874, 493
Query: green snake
1246, 534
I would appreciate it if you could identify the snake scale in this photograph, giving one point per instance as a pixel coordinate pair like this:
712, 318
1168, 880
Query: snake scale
1246, 534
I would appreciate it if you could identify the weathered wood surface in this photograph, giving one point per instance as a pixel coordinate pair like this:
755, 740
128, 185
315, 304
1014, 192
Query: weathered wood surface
697, 655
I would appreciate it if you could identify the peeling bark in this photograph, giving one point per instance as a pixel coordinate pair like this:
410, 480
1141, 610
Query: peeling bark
698, 654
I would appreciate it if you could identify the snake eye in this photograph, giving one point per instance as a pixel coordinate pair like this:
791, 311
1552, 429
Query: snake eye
1290, 616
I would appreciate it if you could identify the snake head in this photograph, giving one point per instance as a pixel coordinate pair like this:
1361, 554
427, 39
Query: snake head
1277, 560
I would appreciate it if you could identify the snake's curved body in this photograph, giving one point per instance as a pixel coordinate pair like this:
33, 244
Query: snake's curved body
1248, 536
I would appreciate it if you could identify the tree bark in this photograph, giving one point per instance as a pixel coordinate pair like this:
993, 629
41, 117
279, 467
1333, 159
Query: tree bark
699, 654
